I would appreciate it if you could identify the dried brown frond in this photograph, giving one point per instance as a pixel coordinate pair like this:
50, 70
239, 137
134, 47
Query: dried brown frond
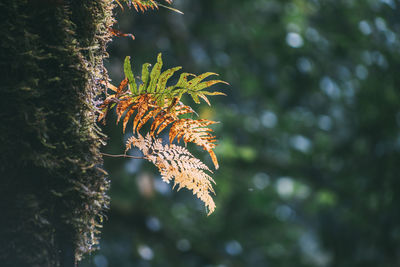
144, 144
177, 164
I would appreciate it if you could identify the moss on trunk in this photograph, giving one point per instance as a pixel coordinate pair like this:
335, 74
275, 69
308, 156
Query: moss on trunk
52, 187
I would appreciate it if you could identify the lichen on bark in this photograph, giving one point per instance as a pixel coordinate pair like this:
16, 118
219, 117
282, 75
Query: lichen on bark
52, 186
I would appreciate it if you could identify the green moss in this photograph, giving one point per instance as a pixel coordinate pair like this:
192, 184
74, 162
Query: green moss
52, 187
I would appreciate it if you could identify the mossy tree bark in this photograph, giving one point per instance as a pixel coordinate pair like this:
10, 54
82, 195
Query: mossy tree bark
52, 187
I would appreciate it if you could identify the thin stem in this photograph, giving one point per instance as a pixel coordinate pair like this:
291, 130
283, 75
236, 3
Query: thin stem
122, 156
170, 8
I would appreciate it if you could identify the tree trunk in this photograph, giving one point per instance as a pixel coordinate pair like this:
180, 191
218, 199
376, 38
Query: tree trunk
52, 187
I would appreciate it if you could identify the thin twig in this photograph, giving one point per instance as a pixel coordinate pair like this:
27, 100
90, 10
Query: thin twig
122, 156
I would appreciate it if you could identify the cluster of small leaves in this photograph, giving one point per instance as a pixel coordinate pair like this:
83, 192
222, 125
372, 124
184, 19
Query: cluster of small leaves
152, 99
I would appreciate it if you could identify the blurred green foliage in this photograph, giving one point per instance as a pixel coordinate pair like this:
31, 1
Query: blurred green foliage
309, 137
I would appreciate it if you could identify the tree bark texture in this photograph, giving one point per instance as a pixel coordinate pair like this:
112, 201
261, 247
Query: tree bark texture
52, 187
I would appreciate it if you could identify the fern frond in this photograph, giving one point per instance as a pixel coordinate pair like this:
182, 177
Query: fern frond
155, 99
188, 83
143, 5
155, 83
177, 164
144, 144
166, 117
128, 106
194, 87
195, 131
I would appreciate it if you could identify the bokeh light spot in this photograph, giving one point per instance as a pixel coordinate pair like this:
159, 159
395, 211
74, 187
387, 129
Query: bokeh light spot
294, 40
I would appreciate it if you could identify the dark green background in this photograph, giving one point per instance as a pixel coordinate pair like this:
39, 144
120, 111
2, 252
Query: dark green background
309, 137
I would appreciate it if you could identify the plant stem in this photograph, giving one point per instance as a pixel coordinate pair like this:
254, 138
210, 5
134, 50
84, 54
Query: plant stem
121, 156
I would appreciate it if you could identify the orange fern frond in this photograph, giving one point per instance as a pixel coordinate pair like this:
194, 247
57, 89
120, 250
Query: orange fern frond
195, 131
168, 116
144, 5
177, 164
